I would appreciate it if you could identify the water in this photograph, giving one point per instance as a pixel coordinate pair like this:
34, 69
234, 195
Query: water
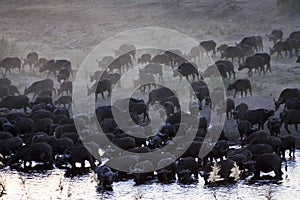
53, 185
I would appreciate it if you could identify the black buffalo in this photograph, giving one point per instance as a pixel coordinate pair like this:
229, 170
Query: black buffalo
233, 52
53, 66
241, 85
253, 62
285, 95
258, 116
282, 46
275, 35
10, 63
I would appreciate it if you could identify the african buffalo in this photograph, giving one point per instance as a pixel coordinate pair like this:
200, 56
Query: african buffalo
100, 87
229, 67
245, 128
290, 117
253, 62
31, 60
285, 95
10, 63
288, 142
275, 35
63, 100
145, 80
281, 46
241, 85
274, 124
186, 69
152, 68
267, 60
53, 66
185, 168
258, 116
39, 152
208, 46
145, 58
105, 177
15, 102
266, 162
232, 52
67, 87
38, 86
79, 154
158, 94
255, 41
225, 171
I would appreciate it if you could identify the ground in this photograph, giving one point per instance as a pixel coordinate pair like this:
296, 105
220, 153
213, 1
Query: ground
70, 30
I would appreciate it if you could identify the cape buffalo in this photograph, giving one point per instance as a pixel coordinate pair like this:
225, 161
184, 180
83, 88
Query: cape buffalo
285, 95
10, 63
241, 85
258, 116
275, 35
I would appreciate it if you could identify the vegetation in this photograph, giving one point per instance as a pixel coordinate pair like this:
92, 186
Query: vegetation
7, 48
289, 5
2, 185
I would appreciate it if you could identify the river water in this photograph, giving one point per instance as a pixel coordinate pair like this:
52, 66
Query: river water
52, 184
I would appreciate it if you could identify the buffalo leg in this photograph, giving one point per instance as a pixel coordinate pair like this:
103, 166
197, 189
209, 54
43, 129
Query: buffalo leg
234, 93
286, 128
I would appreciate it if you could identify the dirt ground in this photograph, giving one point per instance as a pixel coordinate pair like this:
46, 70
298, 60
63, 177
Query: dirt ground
71, 29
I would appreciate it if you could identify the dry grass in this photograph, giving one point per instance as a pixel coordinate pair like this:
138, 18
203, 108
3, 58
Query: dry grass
8, 48
269, 193
2, 185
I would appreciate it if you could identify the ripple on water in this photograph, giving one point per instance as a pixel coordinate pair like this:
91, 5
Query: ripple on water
45, 185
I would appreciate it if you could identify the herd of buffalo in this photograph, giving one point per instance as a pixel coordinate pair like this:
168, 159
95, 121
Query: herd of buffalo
35, 127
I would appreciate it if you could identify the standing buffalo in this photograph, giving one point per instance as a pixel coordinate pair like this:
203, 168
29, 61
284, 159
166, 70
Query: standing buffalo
39, 86
229, 67
267, 60
15, 102
53, 66
282, 46
266, 162
285, 95
275, 35
31, 60
145, 58
145, 80
39, 152
186, 69
274, 124
152, 68
233, 52
245, 128
241, 85
209, 45
295, 35
128, 49
10, 63
258, 116
255, 41
253, 62
100, 87
290, 117
67, 87
159, 94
